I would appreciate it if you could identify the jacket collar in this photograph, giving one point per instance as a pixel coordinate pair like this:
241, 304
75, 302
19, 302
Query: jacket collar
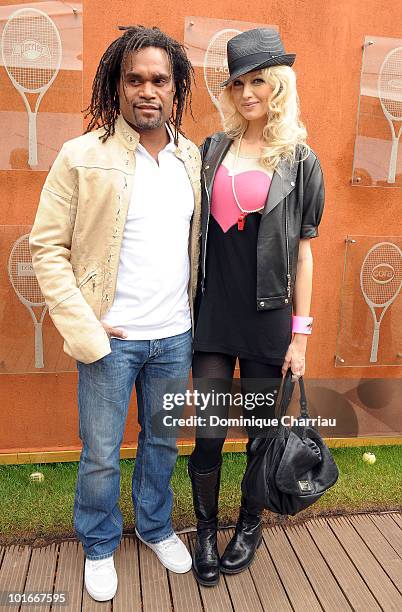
283, 182
131, 138
283, 179
125, 132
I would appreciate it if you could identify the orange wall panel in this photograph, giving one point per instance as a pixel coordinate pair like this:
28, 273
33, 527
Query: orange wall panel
39, 411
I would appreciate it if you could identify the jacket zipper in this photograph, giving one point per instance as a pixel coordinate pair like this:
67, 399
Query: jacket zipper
288, 275
206, 233
88, 278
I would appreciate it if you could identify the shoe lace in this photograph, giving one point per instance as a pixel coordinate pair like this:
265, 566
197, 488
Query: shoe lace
169, 542
99, 565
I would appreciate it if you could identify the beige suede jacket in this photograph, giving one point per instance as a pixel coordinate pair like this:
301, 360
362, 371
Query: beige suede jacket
77, 234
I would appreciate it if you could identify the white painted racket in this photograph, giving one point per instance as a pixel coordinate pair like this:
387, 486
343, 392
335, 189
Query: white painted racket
31, 50
390, 95
380, 282
216, 65
25, 285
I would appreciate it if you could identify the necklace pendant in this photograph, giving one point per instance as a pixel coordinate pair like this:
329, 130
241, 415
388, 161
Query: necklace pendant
241, 221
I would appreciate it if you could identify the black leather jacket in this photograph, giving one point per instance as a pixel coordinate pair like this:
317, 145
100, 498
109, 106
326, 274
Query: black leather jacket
292, 211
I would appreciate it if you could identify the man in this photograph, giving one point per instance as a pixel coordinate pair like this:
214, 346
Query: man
119, 216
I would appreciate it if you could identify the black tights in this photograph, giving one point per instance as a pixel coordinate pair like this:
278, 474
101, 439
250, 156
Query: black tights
215, 371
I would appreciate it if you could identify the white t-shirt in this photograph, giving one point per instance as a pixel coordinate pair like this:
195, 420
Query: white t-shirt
151, 299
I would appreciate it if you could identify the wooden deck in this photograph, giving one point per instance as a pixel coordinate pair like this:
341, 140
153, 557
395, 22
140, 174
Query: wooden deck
332, 564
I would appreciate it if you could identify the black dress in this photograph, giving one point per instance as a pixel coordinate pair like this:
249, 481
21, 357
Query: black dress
227, 320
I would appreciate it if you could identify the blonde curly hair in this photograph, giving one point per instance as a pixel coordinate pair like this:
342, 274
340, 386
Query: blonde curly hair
284, 131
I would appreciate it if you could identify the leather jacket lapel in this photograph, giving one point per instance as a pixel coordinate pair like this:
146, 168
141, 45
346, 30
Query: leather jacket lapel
212, 161
283, 182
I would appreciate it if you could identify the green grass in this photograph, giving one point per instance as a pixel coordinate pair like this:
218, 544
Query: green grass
30, 511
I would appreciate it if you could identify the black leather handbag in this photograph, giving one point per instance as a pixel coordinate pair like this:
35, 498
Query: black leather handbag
292, 468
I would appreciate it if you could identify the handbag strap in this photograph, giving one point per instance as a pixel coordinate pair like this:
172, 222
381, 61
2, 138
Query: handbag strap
287, 391
303, 399
286, 395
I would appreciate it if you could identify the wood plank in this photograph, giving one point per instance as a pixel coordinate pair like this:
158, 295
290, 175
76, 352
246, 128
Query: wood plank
397, 518
41, 574
184, 588
90, 605
389, 529
320, 576
14, 568
70, 575
347, 576
128, 596
269, 587
154, 581
298, 588
376, 579
215, 599
241, 587
380, 548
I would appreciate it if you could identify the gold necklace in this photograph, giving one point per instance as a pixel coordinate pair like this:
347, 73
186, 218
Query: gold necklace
242, 217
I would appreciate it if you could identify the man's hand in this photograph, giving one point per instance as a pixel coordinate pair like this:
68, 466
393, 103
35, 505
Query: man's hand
116, 332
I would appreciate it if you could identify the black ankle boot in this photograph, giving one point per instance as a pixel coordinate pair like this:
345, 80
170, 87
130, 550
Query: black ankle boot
241, 549
205, 497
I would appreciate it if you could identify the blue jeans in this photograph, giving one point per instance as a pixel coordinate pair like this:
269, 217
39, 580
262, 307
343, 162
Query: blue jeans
104, 391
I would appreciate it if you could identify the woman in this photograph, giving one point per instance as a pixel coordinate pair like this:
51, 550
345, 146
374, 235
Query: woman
263, 199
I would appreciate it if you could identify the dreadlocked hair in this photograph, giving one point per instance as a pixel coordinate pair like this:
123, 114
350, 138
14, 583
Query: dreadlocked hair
105, 107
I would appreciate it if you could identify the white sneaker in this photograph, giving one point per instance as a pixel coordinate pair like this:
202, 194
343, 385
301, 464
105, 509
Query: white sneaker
100, 578
172, 553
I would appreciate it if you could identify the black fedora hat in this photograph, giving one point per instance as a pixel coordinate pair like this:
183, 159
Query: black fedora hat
255, 49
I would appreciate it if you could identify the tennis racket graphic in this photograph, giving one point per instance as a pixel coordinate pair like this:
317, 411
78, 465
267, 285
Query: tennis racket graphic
390, 95
25, 285
31, 51
216, 65
380, 282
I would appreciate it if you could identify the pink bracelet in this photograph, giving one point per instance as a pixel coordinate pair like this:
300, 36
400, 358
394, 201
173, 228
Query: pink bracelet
302, 325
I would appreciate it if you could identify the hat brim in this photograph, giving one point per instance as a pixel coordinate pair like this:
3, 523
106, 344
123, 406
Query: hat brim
281, 60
